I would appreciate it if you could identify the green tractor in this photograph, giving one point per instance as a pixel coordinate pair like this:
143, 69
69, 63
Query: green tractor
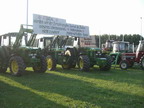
18, 54
120, 47
69, 51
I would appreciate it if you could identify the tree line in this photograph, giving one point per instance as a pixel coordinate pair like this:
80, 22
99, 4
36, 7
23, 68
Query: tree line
132, 39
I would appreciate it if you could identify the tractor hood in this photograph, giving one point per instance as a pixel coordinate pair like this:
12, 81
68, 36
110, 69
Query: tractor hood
26, 50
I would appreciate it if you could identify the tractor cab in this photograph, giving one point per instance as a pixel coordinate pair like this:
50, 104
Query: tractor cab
9, 39
120, 46
108, 46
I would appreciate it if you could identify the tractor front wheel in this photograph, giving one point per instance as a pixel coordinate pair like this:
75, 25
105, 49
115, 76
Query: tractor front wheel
42, 66
16, 65
84, 63
124, 65
107, 66
51, 63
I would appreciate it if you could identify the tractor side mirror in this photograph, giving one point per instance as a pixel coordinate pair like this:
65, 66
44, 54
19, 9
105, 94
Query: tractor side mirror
75, 38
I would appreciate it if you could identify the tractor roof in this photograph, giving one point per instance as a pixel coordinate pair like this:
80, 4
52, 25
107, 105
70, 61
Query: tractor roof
13, 34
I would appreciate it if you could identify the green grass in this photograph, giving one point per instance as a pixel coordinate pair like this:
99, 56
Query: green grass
74, 89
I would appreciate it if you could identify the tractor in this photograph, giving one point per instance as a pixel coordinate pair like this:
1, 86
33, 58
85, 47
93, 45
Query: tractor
120, 47
128, 59
17, 54
69, 51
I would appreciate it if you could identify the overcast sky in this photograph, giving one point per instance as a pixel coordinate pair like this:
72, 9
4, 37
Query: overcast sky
102, 16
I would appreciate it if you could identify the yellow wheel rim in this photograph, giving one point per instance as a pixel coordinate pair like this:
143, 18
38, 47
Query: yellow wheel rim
49, 63
81, 63
14, 66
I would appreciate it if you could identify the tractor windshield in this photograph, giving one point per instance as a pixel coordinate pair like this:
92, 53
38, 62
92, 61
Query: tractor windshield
120, 47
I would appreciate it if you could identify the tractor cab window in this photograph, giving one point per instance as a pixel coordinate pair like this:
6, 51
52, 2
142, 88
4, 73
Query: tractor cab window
70, 41
47, 42
118, 47
12, 40
123, 47
109, 44
5, 41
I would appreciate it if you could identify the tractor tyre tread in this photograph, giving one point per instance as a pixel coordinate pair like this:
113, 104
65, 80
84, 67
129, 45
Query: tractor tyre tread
21, 65
107, 67
86, 61
43, 65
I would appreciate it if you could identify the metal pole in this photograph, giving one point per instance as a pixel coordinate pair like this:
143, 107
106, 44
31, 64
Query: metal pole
99, 40
26, 21
27, 15
141, 28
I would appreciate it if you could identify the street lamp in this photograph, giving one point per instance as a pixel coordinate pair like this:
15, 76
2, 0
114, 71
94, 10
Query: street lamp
27, 15
141, 28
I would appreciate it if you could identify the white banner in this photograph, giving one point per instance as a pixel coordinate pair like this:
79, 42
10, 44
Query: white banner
56, 26
48, 25
77, 30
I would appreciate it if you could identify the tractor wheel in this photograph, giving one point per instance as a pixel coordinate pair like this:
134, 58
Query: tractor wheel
51, 63
84, 63
70, 53
107, 66
42, 66
124, 65
142, 62
16, 65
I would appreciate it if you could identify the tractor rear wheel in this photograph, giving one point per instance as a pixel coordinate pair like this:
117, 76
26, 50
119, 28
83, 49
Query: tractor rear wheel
42, 66
142, 62
84, 63
16, 65
51, 63
107, 66
124, 65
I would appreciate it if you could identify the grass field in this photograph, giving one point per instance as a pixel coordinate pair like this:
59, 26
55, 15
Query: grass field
73, 89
